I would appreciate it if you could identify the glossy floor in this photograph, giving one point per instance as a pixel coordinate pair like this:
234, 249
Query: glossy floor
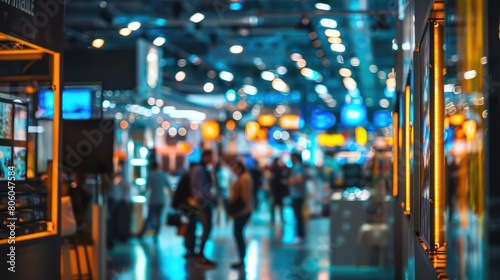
270, 255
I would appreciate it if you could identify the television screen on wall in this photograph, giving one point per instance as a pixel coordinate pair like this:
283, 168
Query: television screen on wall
5, 120
5, 162
76, 104
20, 122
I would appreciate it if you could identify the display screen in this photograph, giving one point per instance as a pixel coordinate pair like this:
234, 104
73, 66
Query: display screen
5, 120
5, 162
20, 122
76, 104
20, 163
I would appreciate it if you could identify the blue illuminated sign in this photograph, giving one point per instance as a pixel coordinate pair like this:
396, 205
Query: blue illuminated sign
353, 115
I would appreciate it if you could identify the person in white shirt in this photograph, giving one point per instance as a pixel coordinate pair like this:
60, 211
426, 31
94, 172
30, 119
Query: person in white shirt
156, 183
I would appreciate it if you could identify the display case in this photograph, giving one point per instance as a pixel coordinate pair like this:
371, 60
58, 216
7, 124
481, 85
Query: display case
30, 53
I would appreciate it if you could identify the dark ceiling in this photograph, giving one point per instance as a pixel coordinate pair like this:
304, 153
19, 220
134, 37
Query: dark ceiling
270, 31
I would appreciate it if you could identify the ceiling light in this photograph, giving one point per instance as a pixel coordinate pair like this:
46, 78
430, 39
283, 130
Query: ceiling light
355, 61
196, 18
384, 103
250, 90
172, 131
236, 49
279, 85
338, 48
125, 32
350, 83
321, 89
373, 68
470, 74
334, 40
98, 43
151, 101
381, 75
134, 25
182, 131
296, 56
159, 41
208, 87
323, 6
332, 33
301, 63
282, 70
237, 115
211, 74
328, 23
226, 76
180, 76
181, 62
155, 110
344, 72
267, 75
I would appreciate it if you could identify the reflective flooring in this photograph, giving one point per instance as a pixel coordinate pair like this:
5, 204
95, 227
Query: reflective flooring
270, 254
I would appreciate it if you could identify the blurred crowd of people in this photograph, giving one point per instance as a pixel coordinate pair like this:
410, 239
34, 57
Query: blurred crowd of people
218, 189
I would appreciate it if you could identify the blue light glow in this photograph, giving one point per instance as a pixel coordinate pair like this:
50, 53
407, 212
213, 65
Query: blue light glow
321, 120
382, 119
235, 6
353, 115
231, 95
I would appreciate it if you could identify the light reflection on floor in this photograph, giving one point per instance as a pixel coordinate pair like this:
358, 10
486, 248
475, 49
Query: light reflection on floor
269, 254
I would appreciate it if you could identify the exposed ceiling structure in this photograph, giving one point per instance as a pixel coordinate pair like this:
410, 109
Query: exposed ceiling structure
274, 35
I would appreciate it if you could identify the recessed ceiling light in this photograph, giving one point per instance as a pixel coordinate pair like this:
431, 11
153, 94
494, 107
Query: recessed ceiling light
196, 18
236, 49
384, 103
208, 87
134, 25
296, 56
323, 6
281, 70
373, 68
180, 76
334, 40
159, 41
125, 32
267, 75
211, 74
226, 76
332, 33
344, 72
338, 47
321, 89
250, 90
98, 43
279, 85
328, 23
355, 61
181, 62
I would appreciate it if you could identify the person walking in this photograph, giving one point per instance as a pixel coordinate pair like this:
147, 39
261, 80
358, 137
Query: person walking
241, 197
204, 200
278, 188
156, 182
297, 189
